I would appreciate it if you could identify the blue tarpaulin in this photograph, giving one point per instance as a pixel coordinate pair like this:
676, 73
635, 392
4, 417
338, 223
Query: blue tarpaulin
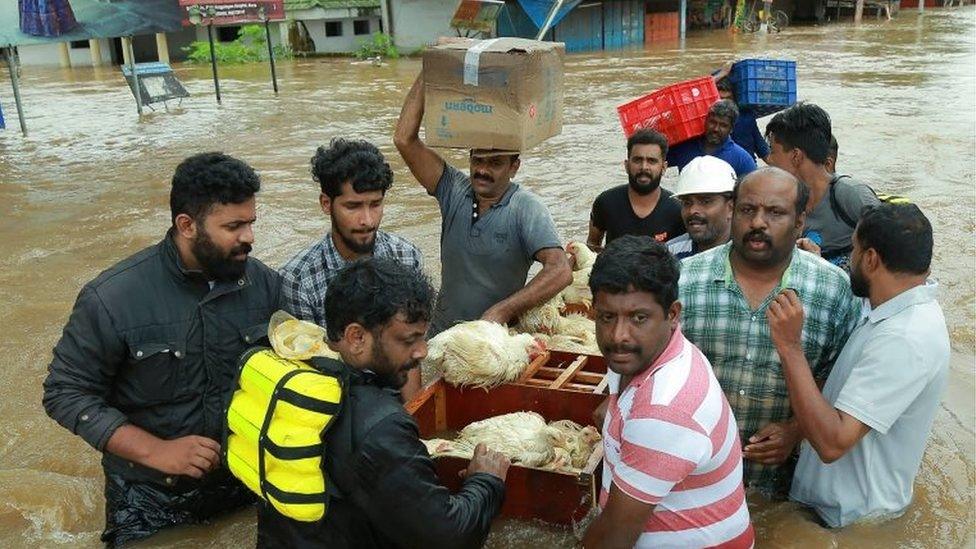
2, 125
538, 10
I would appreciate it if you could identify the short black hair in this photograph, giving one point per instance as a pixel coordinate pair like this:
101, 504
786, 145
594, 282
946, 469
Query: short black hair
725, 108
725, 85
900, 233
648, 136
802, 190
833, 148
639, 263
205, 179
373, 290
803, 126
356, 161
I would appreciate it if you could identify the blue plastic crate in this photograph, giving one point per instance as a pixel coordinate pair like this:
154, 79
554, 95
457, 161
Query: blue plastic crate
764, 86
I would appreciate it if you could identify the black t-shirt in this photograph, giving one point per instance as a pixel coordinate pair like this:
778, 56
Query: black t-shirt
613, 213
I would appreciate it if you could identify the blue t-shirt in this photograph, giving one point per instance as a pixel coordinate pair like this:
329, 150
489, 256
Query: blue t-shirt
683, 153
746, 135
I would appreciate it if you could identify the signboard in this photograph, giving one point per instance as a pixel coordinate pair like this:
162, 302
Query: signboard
233, 12
24, 22
157, 83
477, 15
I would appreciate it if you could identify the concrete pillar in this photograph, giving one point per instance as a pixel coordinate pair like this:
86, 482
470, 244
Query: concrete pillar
921, 6
859, 11
283, 32
95, 49
683, 18
162, 47
385, 18
65, 55
126, 60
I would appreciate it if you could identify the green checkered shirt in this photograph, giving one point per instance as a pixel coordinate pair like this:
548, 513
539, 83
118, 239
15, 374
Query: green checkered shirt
717, 318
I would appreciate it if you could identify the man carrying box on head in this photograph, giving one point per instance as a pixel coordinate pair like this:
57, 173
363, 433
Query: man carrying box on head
491, 230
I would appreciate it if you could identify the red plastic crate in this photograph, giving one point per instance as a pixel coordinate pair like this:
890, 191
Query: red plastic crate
678, 111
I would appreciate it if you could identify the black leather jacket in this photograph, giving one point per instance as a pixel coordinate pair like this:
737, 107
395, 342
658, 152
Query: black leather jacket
387, 491
152, 344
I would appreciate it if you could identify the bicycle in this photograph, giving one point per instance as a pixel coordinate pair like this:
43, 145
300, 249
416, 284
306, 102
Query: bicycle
775, 21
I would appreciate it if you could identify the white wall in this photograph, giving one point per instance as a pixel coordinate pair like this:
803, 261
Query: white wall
417, 23
50, 54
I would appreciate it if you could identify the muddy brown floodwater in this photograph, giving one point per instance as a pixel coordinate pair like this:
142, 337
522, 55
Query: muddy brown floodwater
90, 186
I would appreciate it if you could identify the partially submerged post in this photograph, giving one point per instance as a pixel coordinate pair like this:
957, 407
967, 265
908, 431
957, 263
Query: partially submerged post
127, 44
262, 14
195, 16
859, 11
15, 84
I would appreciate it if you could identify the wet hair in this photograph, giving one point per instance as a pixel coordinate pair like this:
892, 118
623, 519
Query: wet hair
206, 179
648, 136
803, 126
356, 161
373, 290
802, 190
725, 108
639, 263
900, 233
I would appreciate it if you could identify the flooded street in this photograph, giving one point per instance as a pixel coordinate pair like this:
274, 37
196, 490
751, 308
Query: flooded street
90, 185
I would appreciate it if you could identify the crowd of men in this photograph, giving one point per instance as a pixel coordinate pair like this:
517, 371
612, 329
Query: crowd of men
766, 329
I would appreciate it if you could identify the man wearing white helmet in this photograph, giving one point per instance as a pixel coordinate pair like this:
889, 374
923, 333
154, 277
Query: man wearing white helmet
705, 192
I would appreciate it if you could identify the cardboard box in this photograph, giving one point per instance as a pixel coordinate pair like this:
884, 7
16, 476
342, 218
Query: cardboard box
504, 93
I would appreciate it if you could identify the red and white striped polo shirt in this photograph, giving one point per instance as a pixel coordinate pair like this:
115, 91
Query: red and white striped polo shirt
671, 441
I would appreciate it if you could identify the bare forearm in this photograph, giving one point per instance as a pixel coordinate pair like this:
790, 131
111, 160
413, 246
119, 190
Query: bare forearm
411, 115
133, 443
819, 421
603, 535
551, 280
425, 164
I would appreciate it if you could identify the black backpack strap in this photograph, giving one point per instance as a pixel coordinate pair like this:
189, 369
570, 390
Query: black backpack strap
835, 205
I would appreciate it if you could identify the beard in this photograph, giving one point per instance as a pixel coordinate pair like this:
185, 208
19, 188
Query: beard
644, 189
387, 373
860, 285
362, 248
215, 263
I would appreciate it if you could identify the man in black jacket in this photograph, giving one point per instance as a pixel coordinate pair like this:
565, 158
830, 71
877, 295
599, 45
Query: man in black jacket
387, 491
144, 368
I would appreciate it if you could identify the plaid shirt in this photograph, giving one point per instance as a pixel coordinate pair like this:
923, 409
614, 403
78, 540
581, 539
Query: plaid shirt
306, 277
717, 318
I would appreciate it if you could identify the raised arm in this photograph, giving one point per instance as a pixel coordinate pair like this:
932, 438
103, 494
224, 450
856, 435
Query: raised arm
425, 164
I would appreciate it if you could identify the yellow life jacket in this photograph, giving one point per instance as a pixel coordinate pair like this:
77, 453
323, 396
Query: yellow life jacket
275, 423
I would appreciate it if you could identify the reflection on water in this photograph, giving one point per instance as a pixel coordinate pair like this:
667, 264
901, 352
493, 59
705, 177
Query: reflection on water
90, 186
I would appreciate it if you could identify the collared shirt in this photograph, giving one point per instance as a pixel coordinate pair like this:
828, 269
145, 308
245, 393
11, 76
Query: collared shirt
306, 277
718, 319
737, 157
890, 376
670, 441
485, 261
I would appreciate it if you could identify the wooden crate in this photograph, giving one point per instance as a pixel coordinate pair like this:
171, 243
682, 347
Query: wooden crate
551, 496
566, 372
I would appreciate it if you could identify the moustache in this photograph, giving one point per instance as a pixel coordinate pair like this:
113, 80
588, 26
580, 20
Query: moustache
758, 236
644, 174
620, 349
244, 248
410, 366
365, 231
483, 177
698, 218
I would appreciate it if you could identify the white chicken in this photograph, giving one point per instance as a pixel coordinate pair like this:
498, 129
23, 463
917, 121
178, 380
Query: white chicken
526, 439
480, 353
578, 292
541, 318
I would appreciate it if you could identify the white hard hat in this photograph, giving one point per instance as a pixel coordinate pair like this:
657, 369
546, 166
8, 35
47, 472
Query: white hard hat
706, 175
